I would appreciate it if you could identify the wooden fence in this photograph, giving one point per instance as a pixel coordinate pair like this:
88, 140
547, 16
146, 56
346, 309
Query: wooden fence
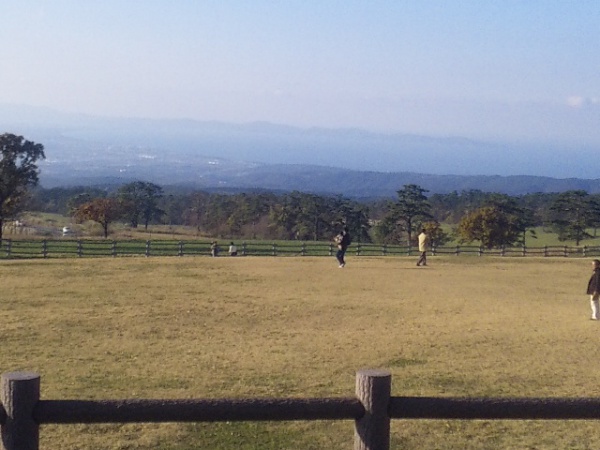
22, 412
62, 248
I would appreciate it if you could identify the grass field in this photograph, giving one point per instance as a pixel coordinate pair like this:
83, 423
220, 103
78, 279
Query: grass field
301, 327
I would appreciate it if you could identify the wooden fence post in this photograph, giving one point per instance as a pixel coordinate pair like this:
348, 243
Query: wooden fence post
44, 248
147, 248
20, 393
373, 389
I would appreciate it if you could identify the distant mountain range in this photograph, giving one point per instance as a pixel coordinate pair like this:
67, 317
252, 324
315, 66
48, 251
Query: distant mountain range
87, 150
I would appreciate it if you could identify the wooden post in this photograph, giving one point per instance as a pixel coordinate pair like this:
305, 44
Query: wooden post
44, 248
147, 248
373, 389
20, 393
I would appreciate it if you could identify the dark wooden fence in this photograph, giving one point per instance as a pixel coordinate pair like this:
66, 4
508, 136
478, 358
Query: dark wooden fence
22, 412
63, 248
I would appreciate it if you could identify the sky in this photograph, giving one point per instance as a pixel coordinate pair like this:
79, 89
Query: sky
524, 70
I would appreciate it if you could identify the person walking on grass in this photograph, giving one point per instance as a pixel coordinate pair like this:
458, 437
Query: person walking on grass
593, 290
343, 241
423, 244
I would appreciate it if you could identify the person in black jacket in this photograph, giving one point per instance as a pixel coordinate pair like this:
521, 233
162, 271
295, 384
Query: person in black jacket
593, 290
343, 241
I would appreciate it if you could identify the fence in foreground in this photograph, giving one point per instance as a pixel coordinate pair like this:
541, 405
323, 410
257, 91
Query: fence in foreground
64, 248
22, 412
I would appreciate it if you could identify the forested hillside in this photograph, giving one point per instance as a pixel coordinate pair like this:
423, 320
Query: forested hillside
489, 217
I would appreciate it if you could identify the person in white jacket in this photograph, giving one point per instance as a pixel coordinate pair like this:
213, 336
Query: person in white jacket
423, 244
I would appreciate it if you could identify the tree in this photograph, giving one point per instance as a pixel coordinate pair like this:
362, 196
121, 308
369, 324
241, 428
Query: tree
525, 220
61, 200
492, 225
18, 172
571, 213
388, 231
298, 215
140, 201
247, 211
595, 200
342, 212
412, 205
77, 200
174, 207
437, 236
101, 210
196, 209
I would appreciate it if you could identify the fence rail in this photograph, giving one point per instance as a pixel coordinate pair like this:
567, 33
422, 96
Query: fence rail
22, 411
64, 248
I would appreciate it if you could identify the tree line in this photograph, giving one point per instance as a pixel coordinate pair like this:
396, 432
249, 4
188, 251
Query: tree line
493, 219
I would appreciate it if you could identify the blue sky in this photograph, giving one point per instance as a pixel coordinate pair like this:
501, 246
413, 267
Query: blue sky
520, 70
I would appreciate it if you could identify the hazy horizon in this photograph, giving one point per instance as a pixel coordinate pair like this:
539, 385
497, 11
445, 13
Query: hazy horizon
516, 70
93, 145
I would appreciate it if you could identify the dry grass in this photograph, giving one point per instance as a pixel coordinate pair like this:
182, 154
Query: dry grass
215, 327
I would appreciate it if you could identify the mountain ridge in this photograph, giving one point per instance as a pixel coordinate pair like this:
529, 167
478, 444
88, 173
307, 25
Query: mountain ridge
84, 150
334, 181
